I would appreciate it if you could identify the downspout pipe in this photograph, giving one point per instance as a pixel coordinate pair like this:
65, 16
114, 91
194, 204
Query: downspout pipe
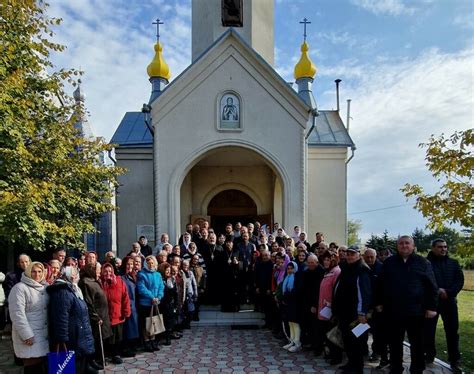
314, 114
112, 157
353, 149
146, 110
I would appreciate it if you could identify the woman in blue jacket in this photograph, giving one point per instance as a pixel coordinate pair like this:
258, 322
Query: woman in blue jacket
69, 319
150, 290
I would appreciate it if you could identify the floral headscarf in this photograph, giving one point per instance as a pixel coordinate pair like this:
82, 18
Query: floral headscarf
70, 275
108, 279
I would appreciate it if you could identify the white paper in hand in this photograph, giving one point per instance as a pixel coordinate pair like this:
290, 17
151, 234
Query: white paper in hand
326, 312
360, 329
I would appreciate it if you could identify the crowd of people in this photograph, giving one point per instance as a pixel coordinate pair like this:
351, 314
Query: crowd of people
312, 297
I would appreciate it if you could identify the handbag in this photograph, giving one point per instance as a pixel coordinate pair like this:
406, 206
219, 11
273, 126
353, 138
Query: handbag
335, 337
61, 362
190, 304
154, 324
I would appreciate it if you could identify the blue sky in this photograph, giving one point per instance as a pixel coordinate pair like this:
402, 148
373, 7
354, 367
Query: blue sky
407, 66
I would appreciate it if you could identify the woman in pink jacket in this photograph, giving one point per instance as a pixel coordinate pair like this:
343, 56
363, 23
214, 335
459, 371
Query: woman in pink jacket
330, 261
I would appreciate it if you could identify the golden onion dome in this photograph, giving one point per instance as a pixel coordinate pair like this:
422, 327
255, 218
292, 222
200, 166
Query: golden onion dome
305, 67
158, 66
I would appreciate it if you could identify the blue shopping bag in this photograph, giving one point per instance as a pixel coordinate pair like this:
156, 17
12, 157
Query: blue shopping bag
61, 362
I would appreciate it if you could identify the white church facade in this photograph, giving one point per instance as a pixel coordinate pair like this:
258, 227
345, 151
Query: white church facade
229, 140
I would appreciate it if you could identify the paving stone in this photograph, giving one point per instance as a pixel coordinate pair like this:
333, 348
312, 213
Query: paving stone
219, 349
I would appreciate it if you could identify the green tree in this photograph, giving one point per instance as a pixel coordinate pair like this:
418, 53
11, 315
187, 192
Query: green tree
382, 242
421, 240
453, 237
353, 229
451, 161
52, 183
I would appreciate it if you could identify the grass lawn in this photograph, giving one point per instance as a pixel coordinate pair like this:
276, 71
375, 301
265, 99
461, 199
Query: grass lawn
469, 280
466, 326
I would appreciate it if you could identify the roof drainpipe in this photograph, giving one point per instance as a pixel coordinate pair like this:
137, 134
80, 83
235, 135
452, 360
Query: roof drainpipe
353, 148
314, 114
348, 114
146, 110
337, 92
112, 157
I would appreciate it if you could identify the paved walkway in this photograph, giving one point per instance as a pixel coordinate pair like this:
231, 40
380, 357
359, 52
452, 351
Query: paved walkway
217, 350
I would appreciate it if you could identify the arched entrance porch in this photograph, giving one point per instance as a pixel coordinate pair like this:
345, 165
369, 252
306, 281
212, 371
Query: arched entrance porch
231, 184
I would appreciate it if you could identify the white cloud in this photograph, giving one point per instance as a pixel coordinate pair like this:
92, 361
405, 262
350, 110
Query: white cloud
113, 43
395, 107
465, 21
385, 7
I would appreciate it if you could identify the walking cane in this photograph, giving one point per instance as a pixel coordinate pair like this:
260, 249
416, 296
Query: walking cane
102, 346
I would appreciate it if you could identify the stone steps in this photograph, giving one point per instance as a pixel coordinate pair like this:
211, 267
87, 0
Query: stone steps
212, 316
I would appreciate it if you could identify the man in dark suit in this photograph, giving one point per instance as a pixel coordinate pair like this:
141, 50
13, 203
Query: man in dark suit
246, 250
450, 280
408, 295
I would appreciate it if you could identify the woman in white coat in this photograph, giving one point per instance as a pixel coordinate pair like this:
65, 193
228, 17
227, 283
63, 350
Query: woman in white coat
28, 307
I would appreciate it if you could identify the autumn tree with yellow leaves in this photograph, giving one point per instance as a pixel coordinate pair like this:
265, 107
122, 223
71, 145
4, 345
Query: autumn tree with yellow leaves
52, 183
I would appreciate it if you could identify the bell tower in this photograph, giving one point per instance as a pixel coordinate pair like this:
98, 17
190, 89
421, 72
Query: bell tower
252, 19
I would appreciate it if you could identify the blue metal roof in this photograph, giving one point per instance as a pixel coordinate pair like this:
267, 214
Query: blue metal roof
132, 132
330, 131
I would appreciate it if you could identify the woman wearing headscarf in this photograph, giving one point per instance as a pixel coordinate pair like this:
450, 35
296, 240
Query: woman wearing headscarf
169, 303
28, 302
70, 328
301, 257
119, 308
54, 271
278, 275
130, 326
48, 273
291, 312
329, 260
190, 293
98, 309
150, 289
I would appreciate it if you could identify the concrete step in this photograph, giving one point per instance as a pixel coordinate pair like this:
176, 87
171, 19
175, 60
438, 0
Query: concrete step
210, 315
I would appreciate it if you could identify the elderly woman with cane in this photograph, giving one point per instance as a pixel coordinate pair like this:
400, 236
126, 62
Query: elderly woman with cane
97, 306
69, 319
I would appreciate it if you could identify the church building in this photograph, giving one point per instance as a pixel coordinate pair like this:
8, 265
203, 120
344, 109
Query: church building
229, 139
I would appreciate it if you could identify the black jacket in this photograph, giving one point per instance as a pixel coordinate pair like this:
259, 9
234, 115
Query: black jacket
263, 275
352, 292
311, 282
448, 274
246, 254
407, 288
374, 272
12, 278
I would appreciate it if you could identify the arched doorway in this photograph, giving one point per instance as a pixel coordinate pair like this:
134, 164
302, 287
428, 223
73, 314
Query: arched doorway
238, 169
231, 206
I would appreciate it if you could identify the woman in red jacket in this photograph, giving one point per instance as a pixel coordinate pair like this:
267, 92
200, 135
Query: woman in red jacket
119, 308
